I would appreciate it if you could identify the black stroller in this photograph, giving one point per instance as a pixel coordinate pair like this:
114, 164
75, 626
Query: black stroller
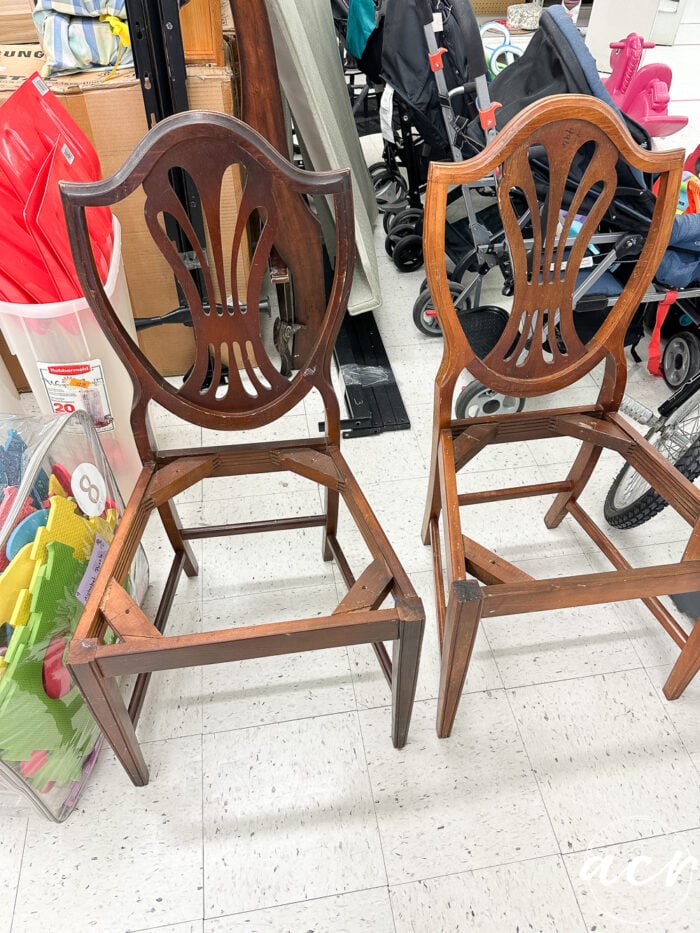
557, 61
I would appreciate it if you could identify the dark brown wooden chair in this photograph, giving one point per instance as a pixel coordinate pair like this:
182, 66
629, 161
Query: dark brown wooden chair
539, 352
228, 332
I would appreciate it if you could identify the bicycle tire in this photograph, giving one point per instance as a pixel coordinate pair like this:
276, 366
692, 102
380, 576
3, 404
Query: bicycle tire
686, 458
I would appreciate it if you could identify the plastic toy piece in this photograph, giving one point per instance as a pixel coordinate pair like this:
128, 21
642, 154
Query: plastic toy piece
25, 532
63, 477
66, 526
16, 576
55, 675
23, 607
14, 448
643, 93
26, 511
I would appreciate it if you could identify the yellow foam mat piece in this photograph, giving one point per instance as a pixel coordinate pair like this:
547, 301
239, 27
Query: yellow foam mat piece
65, 526
103, 527
20, 614
55, 488
15, 577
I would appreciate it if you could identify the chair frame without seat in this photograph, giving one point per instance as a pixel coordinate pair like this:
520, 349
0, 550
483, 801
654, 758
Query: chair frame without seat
539, 353
206, 146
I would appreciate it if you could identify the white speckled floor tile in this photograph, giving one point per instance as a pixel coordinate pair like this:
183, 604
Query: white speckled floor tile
193, 926
274, 689
173, 704
359, 912
538, 647
650, 640
12, 832
371, 687
652, 884
606, 753
385, 458
534, 895
684, 712
465, 802
256, 563
135, 852
288, 815
514, 529
399, 509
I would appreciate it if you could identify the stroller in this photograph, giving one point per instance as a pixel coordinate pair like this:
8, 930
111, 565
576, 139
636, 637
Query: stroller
427, 101
555, 62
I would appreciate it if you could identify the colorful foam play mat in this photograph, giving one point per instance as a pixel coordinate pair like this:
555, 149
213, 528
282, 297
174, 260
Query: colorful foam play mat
59, 507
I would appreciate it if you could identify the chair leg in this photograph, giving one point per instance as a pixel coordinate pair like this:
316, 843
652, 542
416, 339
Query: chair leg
404, 676
686, 667
105, 701
464, 609
579, 474
433, 503
332, 498
173, 527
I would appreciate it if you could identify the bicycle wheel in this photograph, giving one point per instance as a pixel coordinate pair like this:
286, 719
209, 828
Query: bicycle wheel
630, 500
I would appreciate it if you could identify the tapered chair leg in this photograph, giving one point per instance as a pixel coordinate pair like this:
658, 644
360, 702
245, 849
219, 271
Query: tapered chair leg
106, 704
464, 609
332, 498
686, 667
173, 527
404, 676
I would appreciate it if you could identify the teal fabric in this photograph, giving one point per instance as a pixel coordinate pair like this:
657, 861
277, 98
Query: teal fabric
361, 25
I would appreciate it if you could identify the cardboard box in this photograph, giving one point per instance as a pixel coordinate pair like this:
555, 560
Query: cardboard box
16, 23
227, 17
17, 62
112, 115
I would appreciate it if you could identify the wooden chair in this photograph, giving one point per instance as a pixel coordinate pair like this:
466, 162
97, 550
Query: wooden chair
205, 146
540, 352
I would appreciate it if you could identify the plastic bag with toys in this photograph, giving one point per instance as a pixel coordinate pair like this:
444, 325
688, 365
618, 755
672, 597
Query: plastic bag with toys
59, 507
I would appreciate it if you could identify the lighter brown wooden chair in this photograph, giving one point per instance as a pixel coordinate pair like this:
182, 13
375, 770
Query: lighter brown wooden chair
539, 352
205, 146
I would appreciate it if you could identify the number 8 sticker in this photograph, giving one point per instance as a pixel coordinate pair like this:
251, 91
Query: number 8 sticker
89, 489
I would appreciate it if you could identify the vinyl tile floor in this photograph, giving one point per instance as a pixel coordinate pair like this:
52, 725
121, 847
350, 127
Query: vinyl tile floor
566, 800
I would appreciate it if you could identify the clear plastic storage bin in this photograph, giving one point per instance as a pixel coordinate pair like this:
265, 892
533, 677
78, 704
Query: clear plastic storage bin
71, 365
58, 511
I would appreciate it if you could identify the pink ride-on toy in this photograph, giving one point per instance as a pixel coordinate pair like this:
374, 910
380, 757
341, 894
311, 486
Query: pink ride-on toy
643, 93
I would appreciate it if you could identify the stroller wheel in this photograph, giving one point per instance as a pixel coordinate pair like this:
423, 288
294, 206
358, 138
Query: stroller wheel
396, 233
475, 400
389, 187
408, 217
390, 212
424, 313
408, 253
681, 358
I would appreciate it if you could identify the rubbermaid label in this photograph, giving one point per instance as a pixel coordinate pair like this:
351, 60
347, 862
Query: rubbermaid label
78, 387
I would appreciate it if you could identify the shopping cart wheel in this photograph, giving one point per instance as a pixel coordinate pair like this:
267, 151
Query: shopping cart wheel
475, 400
681, 358
408, 253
